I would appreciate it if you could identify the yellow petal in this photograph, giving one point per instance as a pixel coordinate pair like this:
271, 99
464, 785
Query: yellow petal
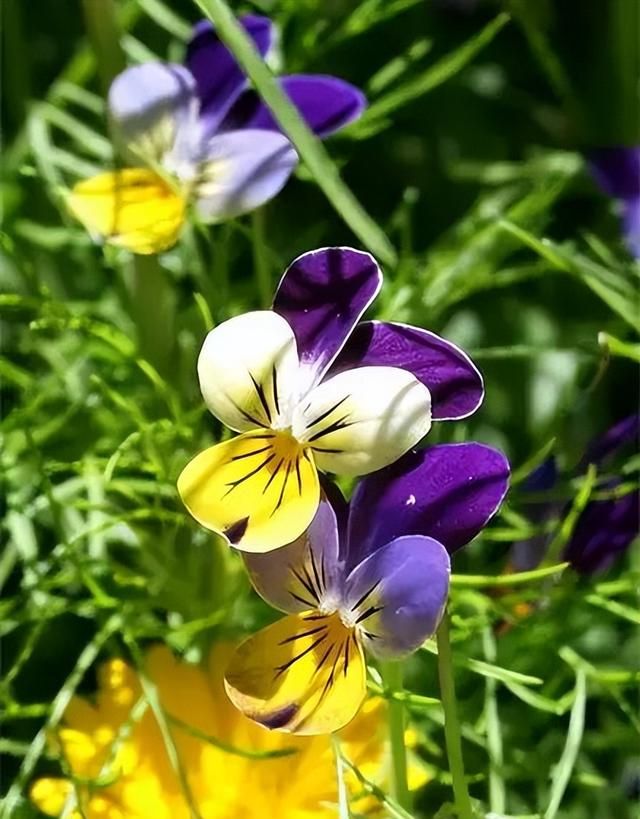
133, 208
50, 796
304, 674
260, 490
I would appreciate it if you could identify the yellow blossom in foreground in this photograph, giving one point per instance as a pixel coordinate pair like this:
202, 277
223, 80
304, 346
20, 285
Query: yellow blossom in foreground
133, 778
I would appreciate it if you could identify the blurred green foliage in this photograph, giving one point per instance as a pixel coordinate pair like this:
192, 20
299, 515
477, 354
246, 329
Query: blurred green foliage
469, 159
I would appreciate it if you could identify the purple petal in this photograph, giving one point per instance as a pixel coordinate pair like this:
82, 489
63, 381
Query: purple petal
447, 492
455, 384
296, 577
625, 432
149, 104
219, 78
247, 168
617, 170
397, 594
326, 104
604, 531
322, 295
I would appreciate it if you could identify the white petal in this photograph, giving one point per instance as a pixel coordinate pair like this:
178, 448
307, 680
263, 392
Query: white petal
247, 369
363, 419
241, 171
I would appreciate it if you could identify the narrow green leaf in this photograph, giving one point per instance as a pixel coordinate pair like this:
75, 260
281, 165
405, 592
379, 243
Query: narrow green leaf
622, 349
517, 579
434, 76
310, 149
564, 768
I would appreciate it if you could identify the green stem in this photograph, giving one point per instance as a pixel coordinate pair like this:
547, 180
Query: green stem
451, 724
260, 261
102, 28
392, 678
152, 308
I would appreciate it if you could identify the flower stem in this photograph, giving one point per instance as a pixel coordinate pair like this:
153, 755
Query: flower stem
260, 261
152, 308
102, 27
451, 724
392, 677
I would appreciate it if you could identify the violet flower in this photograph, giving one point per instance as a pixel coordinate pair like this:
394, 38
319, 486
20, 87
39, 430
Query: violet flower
197, 135
605, 529
370, 576
312, 389
617, 172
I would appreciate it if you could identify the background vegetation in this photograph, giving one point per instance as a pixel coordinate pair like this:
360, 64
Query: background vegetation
470, 160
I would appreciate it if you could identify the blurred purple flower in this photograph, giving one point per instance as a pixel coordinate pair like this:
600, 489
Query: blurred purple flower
617, 172
605, 529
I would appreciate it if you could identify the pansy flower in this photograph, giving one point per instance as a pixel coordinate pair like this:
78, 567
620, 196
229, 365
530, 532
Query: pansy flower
617, 172
311, 389
197, 135
372, 576
606, 528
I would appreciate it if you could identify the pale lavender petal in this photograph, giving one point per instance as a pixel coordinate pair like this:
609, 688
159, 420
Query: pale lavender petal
149, 105
447, 492
322, 295
219, 78
242, 170
326, 103
397, 594
455, 384
298, 576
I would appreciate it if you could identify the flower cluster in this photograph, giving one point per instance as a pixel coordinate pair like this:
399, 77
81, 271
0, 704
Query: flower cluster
198, 135
313, 389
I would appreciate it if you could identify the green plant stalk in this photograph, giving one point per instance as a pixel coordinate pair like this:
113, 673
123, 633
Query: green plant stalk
153, 308
392, 678
310, 149
102, 28
451, 724
260, 261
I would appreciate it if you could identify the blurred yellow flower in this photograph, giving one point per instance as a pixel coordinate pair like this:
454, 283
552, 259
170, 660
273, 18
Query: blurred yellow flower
122, 770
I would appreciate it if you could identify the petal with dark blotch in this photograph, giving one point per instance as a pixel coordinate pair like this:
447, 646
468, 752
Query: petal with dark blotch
260, 490
397, 594
322, 295
305, 674
447, 492
453, 380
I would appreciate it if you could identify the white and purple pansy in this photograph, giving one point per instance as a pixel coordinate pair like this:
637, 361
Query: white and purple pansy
198, 135
371, 576
311, 389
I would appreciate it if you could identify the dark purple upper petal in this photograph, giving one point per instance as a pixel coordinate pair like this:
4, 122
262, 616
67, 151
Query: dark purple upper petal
322, 295
397, 594
625, 433
447, 492
453, 380
219, 78
617, 170
326, 104
604, 531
